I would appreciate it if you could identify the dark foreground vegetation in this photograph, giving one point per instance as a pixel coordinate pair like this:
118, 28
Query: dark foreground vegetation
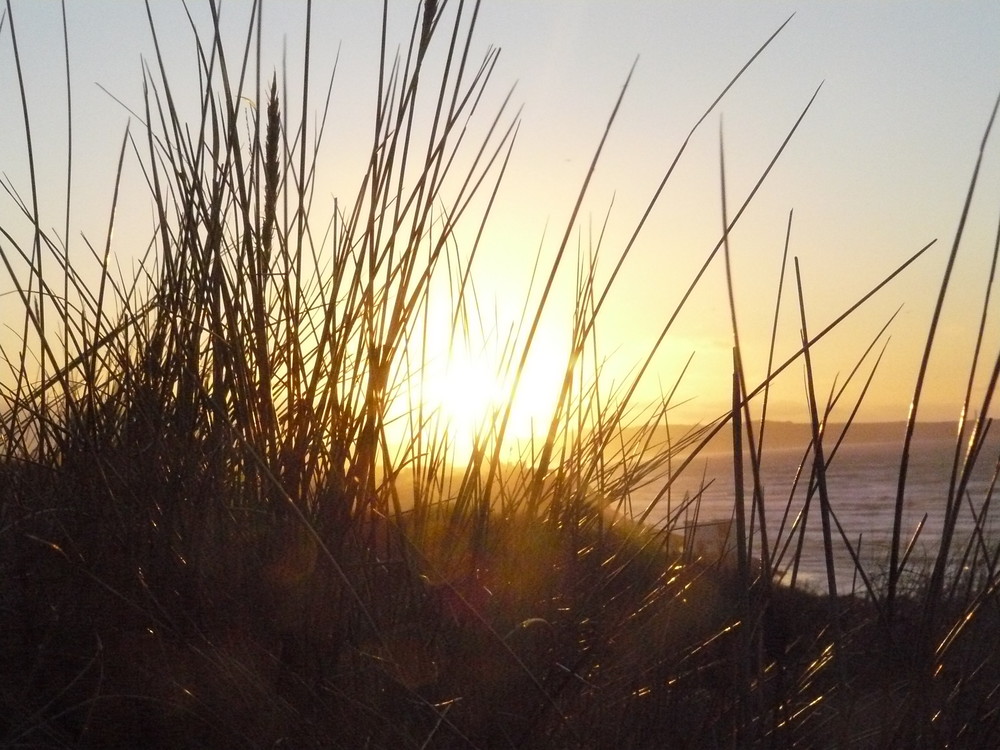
211, 534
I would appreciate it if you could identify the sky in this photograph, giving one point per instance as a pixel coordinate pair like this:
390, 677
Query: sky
878, 168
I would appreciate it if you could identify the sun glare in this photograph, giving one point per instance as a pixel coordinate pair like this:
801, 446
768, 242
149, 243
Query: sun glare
466, 389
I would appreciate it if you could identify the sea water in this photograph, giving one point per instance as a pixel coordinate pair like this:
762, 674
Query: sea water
862, 485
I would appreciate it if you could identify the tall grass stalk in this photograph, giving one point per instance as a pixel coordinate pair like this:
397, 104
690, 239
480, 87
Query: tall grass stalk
894, 568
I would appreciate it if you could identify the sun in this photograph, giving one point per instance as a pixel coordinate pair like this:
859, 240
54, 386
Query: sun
466, 392
466, 388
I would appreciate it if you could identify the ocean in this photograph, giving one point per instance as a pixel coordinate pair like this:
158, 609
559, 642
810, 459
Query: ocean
862, 480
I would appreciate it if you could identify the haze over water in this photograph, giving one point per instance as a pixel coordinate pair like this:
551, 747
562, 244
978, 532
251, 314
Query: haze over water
862, 481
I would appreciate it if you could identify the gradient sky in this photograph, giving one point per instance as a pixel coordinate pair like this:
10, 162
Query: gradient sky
879, 167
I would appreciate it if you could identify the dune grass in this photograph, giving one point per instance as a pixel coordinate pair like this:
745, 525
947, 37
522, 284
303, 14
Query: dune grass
229, 519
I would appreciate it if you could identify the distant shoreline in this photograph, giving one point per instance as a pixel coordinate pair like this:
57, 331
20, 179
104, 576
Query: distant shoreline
779, 434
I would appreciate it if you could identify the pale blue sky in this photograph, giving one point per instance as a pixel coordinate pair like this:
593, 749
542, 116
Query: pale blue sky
878, 168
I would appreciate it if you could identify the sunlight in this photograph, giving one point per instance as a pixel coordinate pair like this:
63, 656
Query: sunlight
465, 390
466, 386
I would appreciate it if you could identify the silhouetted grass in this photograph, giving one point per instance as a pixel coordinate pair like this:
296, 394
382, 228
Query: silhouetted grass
229, 520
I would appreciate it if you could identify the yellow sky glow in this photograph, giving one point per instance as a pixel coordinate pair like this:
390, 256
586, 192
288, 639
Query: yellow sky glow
878, 168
